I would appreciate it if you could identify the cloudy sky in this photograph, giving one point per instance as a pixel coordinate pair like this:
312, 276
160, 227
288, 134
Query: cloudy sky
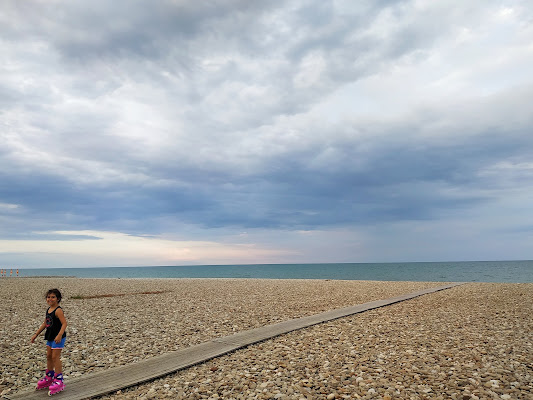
176, 132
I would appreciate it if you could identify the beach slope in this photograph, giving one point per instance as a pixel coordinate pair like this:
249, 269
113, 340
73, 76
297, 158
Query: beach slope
474, 340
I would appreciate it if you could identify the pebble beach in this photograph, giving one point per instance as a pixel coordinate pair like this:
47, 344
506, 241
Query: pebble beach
473, 341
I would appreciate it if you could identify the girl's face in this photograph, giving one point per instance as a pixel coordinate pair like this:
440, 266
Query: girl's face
51, 299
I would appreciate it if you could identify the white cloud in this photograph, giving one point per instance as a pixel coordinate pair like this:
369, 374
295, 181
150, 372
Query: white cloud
121, 249
8, 207
272, 116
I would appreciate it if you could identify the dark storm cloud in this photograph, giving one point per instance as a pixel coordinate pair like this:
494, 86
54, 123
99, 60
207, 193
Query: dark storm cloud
176, 36
397, 180
119, 115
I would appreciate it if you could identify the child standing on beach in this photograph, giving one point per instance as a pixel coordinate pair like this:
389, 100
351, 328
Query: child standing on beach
55, 324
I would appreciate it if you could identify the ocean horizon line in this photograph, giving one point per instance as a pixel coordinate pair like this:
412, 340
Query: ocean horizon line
518, 271
272, 264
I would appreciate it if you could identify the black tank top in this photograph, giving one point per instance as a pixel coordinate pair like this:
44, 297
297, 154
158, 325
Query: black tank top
53, 325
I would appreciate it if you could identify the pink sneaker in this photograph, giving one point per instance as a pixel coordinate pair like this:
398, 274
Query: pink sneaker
56, 387
45, 382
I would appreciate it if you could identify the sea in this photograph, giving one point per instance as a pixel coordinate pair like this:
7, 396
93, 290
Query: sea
471, 271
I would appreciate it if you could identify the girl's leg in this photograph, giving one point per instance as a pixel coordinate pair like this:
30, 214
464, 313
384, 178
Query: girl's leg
48, 378
49, 359
58, 385
56, 361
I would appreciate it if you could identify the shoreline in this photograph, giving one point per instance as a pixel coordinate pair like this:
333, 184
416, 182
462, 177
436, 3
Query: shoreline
257, 279
111, 331
248, 279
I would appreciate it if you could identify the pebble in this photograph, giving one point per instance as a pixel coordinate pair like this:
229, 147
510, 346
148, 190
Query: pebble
470, 342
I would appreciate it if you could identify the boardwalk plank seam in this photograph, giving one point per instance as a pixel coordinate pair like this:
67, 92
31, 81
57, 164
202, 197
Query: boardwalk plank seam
108, 381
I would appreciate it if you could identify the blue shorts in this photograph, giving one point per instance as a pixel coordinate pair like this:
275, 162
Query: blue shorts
54, 345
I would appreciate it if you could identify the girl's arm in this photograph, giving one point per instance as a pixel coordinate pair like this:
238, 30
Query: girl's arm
61, 316
41, 328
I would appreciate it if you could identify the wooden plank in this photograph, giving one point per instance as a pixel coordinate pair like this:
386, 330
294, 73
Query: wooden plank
260, 334
113, 379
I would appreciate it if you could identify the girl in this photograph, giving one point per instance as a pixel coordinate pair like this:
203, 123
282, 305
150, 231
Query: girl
55, 336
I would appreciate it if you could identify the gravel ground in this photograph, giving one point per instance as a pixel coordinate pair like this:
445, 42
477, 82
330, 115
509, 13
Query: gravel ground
473, 341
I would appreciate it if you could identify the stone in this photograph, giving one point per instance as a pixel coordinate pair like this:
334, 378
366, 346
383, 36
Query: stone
346, 356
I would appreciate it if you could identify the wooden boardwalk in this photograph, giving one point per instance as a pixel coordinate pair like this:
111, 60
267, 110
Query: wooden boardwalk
113, 379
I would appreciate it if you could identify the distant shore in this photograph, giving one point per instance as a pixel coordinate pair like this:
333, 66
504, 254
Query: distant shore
39, 276
474, 340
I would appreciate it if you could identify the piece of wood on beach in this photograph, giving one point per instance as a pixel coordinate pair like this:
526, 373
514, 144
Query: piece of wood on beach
114, 379
252, 336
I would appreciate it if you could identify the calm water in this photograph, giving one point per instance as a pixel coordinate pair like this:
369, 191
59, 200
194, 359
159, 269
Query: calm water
478, 271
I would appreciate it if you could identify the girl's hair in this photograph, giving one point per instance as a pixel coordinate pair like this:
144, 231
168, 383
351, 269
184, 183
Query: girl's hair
56, 292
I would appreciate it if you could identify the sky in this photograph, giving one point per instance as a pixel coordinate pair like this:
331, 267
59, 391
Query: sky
172, 132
